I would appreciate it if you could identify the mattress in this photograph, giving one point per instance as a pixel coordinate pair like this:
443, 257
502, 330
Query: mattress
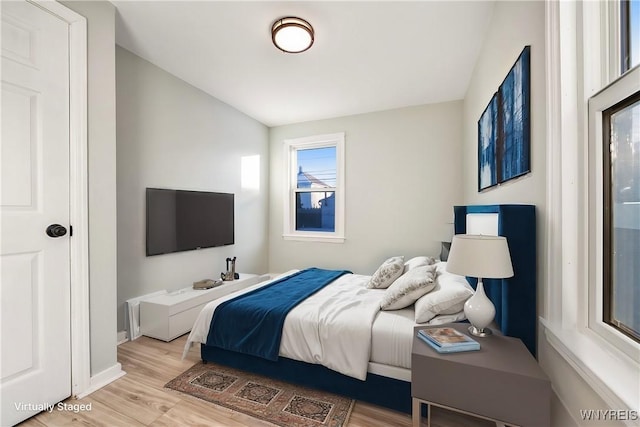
392, 337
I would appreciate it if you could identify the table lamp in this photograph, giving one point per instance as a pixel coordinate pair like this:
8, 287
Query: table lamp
482, 257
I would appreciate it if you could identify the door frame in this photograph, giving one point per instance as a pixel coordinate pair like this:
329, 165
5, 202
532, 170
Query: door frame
78, 194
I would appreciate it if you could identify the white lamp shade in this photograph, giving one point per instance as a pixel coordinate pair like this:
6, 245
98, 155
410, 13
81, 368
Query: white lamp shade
480, 256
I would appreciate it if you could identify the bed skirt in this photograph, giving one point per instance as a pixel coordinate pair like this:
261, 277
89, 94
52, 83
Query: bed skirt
378, 390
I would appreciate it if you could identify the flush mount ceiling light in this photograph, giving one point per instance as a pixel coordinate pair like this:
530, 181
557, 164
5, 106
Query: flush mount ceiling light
292, 35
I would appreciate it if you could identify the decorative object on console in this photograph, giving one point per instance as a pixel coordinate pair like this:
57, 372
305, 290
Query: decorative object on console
206, 284
482, 257
504, 130
230, 275
292, 35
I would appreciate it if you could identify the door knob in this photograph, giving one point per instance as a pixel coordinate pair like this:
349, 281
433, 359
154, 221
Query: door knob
56, 230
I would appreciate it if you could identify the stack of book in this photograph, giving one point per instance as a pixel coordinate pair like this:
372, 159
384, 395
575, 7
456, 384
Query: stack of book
447, 340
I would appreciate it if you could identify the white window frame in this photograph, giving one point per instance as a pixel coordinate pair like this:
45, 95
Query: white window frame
291, 146
606, 359
618, 91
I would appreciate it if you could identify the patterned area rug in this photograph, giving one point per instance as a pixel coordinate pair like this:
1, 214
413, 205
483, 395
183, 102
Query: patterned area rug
277, 402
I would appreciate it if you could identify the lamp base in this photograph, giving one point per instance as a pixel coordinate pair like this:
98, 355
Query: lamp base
480, 311
484, 332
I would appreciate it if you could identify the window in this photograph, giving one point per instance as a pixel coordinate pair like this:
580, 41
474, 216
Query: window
629, 34
621, 214
585, 86
614, 133
314, 206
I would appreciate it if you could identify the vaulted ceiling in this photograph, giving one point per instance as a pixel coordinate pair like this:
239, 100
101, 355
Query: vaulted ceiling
367, 56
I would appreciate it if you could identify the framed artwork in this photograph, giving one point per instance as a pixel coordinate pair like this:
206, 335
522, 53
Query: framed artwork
504, 147
514, 148
487, 139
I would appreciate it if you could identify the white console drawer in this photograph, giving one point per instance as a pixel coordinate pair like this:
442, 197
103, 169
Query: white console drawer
182, 322
171, 315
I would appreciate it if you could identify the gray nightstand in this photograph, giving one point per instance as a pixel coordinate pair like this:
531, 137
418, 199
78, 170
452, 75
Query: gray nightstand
501, 382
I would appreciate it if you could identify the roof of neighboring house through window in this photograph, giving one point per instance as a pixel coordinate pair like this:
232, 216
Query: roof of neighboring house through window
310, 178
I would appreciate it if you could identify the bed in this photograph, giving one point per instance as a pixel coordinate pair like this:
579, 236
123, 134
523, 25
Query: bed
339, 340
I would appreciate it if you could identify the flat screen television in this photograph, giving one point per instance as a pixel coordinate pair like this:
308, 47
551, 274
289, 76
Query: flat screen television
179, 220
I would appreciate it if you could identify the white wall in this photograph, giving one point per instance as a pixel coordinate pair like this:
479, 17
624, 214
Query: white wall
514, 25
100, 17
402, 180
172, 135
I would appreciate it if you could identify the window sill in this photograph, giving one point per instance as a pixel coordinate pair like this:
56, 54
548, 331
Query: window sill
313, 238
611, 373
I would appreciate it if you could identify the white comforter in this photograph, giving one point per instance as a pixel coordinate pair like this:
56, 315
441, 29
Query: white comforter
332, 327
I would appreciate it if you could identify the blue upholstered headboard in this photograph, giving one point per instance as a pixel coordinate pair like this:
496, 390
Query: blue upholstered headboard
514, 298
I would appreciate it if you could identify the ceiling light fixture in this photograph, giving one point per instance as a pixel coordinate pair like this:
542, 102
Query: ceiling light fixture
292, 35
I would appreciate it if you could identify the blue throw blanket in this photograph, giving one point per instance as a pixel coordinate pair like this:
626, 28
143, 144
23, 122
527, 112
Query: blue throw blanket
252, 323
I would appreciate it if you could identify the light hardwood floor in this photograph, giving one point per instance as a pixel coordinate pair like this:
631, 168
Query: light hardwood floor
140, 399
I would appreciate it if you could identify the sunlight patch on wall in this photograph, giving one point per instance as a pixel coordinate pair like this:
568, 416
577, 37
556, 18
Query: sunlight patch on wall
250, 172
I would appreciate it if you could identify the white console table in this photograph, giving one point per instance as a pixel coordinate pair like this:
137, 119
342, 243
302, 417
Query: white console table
171, 315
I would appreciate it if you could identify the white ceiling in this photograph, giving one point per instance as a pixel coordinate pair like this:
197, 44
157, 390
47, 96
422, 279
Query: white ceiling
367, 56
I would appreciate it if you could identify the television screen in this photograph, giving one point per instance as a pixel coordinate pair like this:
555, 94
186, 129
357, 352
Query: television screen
179, 220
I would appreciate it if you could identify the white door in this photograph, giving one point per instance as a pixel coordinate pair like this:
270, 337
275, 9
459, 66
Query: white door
35, 364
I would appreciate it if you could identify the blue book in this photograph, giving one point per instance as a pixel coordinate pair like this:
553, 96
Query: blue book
447, 340
448, 350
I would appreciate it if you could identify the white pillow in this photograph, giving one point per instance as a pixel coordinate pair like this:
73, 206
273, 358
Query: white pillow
441, 319
447, 297
408, 288
441, 267
418, 261
387, 273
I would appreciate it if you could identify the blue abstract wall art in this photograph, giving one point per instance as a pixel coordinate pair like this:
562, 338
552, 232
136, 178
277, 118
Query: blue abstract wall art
487, 138
514, 120
504, 128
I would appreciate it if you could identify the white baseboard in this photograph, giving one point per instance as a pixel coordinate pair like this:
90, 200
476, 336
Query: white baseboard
102, 379
122, 337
